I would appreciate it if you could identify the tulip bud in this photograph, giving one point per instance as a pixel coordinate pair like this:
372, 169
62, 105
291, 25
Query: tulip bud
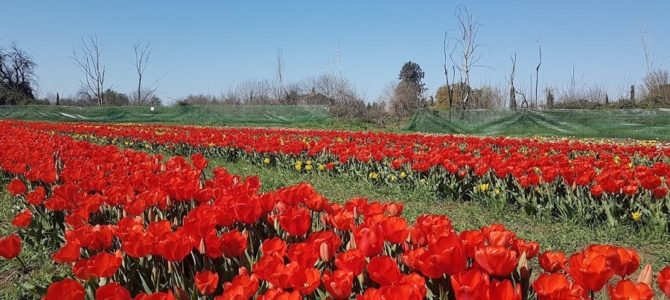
324, 252
201, 247
523, 268
181, 294
524, 274
646, 276
352, 242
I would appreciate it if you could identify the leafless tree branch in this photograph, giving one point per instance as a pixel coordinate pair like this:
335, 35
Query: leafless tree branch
88, 59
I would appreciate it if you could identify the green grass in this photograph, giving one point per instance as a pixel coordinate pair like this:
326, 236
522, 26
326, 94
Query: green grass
565, 236
39, 269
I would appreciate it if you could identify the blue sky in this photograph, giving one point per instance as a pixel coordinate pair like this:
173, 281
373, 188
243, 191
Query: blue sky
207, 46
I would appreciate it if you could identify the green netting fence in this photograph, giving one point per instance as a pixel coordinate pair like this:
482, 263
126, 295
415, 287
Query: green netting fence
190, 114
634, 123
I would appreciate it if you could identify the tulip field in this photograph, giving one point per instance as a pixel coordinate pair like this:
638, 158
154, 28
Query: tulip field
140, 211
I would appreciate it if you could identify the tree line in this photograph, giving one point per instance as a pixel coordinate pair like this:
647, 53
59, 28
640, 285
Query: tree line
462, 55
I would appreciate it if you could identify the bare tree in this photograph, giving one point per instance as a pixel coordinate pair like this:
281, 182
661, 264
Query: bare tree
17, 71
648, 49
445, 47
524, 102
657, 80
512, 90
468, 28
280, 73
142, 55
574, 91
537, 70
88, 59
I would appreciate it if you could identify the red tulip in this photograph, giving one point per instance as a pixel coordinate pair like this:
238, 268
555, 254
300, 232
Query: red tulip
23, 219
552, 261
174, 246
98, 266
199, 161
627, 290
394, 229
352, 260
328, 243
112, 291
383, 270
37, 196
447, 254
305, 254
592, 273
597, 190
206, 282
530, 248
505, 290
10, 246
553, 286
66, 289
306, 280
16, 187
243, 286
233, 243
660, 192
369, 240
69, 253
296, 221
471, 284
279, 294
156, 296
496, 260
339, 283
274, 246
502, 237
471, 239
627, 261
394, 208
664, 281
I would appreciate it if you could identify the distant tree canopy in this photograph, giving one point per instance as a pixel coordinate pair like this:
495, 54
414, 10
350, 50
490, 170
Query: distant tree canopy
485, 97
116, 98
411, 72
17, 76
408, 94
657, 84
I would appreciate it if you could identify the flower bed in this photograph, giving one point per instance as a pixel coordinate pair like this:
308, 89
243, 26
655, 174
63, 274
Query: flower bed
132, 224
598, 183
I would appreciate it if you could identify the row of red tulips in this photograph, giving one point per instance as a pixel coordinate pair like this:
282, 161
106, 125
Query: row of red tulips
591, 182
143, 226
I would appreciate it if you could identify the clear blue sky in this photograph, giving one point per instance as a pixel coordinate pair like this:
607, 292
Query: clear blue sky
207, 46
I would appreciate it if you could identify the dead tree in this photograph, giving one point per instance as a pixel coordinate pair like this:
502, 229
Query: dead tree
450, 90
512, 91
468, 28
280, 72
88, 59
524, 103
648, 51
142, 55
17, 71
537, 71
